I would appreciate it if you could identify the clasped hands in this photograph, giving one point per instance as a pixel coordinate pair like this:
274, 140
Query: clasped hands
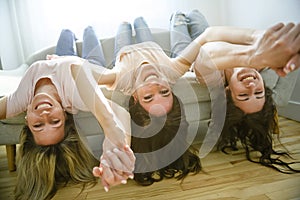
116, 165
278, 48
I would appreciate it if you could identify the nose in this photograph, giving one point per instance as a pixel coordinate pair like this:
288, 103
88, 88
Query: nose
44, 112
250, 85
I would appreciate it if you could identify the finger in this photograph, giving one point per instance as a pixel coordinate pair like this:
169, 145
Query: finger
285, 29
280, 72
114, 162
295, 30
127, 163
108, 175
130, 153
111, 178
293, 63
119, 178
97, 171
105, 185
131, 156
277, 27
295, 33
48, 57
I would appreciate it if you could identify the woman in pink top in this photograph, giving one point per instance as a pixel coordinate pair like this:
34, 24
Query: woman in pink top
51, 152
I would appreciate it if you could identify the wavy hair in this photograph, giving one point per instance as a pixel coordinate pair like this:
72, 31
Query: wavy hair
41, 170
255, 132
175, 123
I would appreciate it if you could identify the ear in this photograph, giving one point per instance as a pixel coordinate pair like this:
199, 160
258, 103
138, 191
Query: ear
26, 122
135, 98
227, 88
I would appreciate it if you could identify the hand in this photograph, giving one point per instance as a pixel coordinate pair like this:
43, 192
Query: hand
52, 56
116, 166
276, 46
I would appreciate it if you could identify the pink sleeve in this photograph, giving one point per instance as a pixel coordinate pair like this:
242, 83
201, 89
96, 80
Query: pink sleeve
18, 101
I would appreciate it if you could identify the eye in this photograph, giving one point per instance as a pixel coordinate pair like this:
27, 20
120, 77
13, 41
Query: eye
259, 92
37, 125
148, 98
55, 121
165, 92
243, 95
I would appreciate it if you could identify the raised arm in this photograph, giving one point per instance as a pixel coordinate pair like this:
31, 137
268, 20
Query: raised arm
233, 35
246, 47
115, 165
95, 100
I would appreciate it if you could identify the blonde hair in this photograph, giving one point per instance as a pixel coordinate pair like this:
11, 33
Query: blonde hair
41, 170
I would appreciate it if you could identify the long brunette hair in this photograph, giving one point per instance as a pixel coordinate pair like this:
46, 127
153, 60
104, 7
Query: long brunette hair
255, 132
175, 125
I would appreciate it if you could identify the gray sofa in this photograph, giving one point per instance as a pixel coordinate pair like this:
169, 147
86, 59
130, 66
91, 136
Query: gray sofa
194, 96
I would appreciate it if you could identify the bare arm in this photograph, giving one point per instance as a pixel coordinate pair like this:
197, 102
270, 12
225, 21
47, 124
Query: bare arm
272, 48
3, 107
102, 75
95, 100
233, 35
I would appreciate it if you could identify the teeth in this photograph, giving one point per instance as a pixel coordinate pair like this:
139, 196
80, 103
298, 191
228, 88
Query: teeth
249, 78
44, 105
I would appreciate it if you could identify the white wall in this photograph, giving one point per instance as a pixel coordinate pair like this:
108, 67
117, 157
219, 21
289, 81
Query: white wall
260, 13
10, 52
51, 16
34, 24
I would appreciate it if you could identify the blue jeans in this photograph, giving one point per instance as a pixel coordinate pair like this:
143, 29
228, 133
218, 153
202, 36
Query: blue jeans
66, 44
124, 34
184, 29
91, 47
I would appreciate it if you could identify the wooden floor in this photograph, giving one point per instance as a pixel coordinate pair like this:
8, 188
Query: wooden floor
225, 177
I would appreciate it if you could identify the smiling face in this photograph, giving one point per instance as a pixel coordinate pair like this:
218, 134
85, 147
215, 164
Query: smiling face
247, 89
153, 91
46, 119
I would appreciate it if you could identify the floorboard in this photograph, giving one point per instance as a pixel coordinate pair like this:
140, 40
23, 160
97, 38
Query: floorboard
225, 177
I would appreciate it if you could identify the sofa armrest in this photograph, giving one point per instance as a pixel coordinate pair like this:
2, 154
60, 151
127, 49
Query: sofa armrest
282, 87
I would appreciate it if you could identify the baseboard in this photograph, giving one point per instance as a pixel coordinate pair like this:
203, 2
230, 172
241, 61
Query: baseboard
291, 111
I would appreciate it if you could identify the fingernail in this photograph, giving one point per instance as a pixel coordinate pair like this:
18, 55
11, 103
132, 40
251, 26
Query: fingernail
116, 150
124, 181
106, 189
131, 176
292, 66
